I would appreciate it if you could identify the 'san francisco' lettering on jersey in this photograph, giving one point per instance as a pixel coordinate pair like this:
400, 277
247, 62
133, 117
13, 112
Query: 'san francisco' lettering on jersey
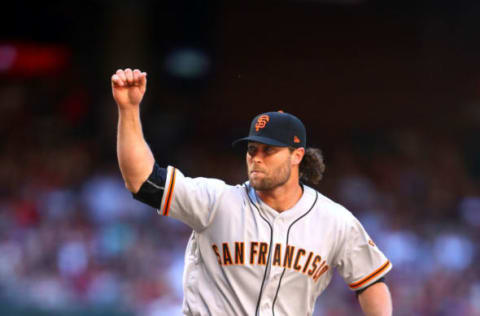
309, 264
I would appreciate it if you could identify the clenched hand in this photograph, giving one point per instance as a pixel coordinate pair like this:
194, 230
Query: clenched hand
128, 87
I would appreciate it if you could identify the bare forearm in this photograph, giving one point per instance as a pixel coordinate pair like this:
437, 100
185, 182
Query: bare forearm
376, 300
134, 156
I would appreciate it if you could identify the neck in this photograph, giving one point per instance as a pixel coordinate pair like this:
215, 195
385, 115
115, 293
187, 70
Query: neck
283, 197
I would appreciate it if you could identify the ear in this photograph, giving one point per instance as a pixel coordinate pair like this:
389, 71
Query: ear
297, 155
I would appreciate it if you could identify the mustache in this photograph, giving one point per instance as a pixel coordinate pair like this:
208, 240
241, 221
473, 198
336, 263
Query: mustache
256, 169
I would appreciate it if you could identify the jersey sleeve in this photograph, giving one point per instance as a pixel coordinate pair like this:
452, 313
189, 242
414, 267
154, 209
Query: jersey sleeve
360, 262
191, 200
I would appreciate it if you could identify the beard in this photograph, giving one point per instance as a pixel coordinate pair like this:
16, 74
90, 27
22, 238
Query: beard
273, 179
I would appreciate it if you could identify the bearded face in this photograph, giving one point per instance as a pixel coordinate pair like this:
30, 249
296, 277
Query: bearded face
268, 166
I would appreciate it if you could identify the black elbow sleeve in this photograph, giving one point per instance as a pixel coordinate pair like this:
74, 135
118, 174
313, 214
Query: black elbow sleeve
151, 191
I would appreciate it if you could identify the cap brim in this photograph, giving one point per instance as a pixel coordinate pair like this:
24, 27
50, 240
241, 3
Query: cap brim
259, 139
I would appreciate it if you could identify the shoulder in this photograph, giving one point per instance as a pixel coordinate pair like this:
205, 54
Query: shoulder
200, 186
326, 207
219, 186
196, 181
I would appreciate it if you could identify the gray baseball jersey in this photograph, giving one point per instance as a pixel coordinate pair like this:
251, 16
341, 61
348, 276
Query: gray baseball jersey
245, 258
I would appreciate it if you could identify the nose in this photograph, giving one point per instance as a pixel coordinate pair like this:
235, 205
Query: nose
255, 156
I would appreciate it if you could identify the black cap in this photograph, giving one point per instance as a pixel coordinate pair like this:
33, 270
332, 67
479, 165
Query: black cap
276, 129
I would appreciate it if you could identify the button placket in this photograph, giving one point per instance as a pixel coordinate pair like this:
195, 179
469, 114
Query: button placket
275, 271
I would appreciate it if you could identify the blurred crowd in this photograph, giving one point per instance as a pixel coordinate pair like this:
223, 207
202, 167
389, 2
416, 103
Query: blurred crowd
71, 234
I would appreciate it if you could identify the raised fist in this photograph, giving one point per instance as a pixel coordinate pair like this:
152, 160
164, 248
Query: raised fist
128, 87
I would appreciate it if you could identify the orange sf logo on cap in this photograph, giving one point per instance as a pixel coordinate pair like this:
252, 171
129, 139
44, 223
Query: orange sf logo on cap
296, 139
261, 122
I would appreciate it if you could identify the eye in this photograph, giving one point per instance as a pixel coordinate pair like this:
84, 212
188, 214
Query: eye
251, 150
269, 150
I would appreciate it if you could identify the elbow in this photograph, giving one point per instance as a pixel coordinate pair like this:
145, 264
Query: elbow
134, 178
132, 186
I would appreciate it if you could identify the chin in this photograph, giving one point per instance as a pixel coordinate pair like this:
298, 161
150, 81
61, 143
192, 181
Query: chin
260, 186
255, 183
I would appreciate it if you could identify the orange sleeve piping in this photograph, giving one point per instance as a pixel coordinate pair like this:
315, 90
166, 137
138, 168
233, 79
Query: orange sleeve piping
372, 275
168, 199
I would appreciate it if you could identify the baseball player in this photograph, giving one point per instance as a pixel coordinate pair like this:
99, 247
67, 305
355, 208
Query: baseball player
268, 246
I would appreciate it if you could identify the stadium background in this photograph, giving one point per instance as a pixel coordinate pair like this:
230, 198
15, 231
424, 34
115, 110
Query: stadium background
389, 90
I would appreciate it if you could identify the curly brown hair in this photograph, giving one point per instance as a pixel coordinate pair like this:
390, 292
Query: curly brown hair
312, 166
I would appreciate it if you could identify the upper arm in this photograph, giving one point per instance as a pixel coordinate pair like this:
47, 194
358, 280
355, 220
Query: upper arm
376, 300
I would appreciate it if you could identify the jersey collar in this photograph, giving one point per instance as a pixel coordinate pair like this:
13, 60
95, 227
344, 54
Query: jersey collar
303, 204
